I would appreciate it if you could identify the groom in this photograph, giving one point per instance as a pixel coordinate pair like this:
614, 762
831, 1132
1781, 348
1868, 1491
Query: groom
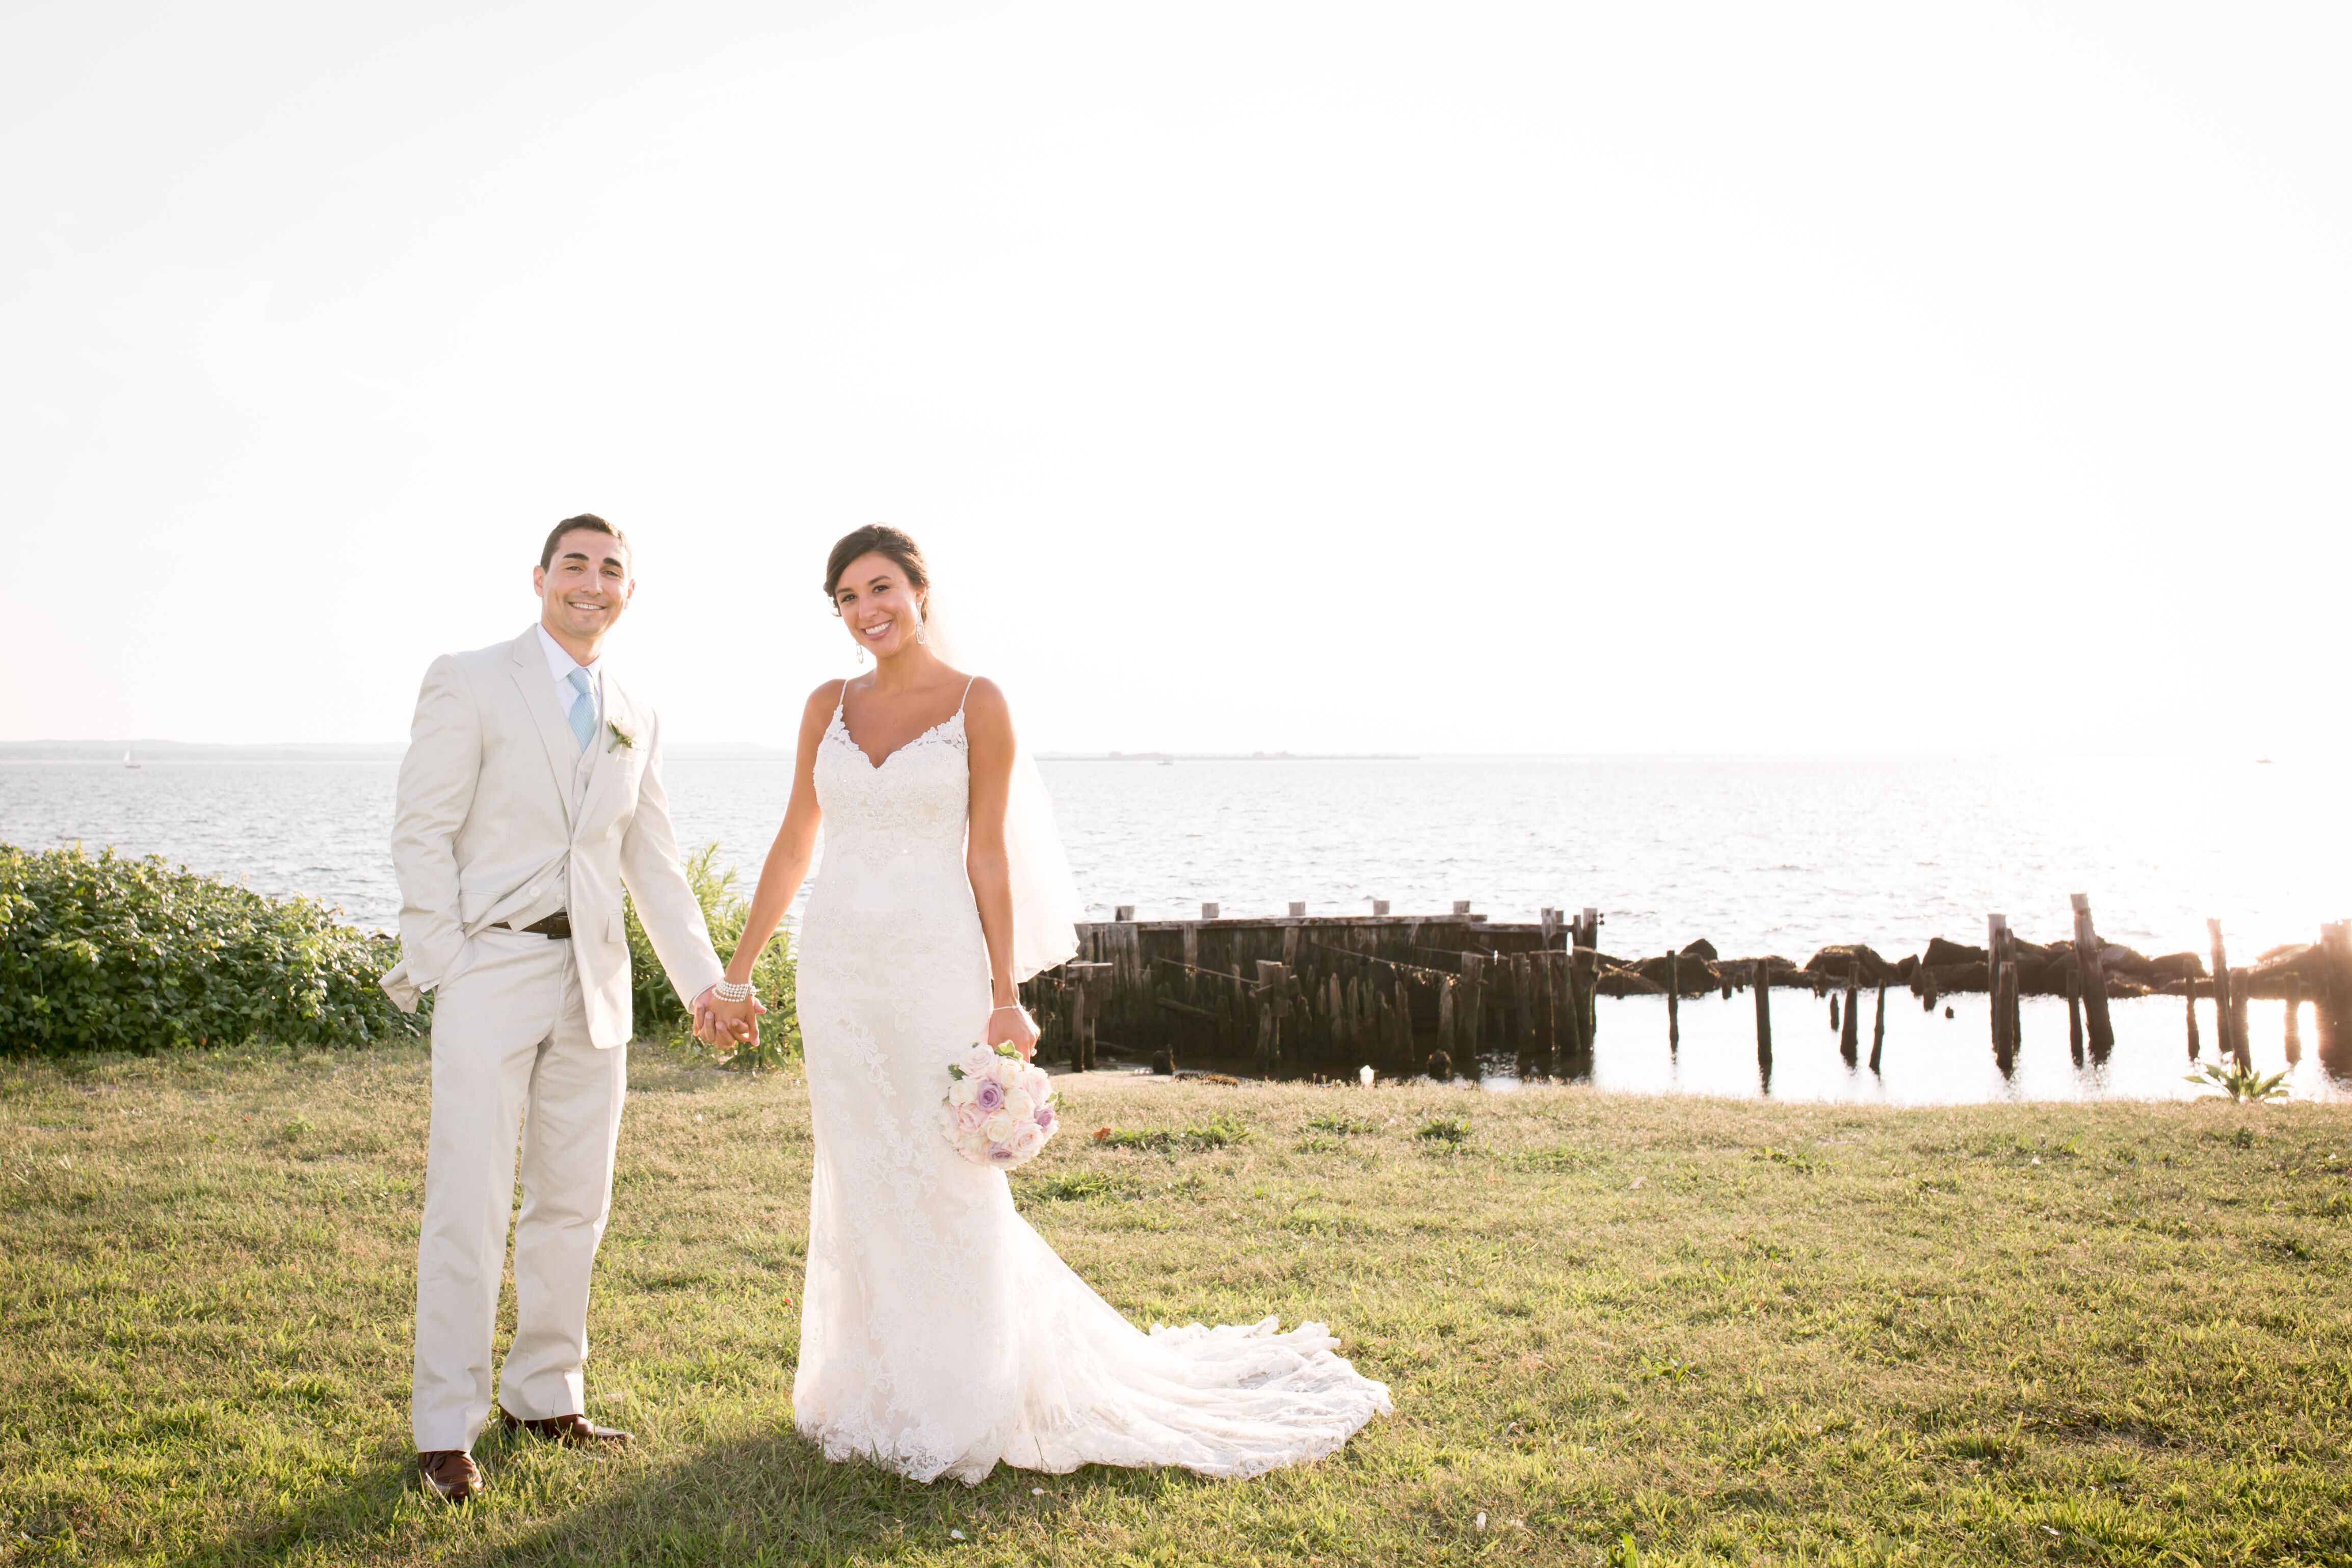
530, 799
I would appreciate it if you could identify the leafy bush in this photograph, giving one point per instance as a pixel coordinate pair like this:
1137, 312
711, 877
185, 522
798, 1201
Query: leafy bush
108, 953
1444, 1130
658, 1014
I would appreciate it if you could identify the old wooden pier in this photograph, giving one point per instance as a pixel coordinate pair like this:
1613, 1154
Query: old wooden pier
1301, 995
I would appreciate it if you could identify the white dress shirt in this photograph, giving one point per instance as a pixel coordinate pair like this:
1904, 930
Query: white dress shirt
560, 665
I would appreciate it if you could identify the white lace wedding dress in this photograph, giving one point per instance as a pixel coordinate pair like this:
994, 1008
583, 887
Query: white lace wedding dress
940, 1334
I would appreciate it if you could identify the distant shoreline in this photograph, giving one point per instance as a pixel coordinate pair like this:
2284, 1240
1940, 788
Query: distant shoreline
1228, 757
145, 751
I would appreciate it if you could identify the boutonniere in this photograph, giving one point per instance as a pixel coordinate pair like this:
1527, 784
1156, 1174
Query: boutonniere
621, 739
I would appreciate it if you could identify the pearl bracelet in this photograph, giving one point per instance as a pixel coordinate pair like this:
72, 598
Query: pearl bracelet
731, 992
1009, 1008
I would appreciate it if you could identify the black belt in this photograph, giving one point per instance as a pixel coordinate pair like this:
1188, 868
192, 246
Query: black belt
556, 927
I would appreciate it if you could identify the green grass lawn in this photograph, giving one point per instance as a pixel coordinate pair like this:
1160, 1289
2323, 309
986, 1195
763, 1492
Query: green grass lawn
1620, 1329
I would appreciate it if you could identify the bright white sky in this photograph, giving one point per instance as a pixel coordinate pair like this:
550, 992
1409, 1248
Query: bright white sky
1335, 375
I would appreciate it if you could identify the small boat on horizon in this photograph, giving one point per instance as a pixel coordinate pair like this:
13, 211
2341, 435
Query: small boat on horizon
127, 762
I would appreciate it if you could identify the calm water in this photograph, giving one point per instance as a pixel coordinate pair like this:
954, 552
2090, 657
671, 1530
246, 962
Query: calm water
1773, 854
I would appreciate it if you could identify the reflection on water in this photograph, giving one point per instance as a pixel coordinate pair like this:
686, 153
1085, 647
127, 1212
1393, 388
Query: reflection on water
1927, 1059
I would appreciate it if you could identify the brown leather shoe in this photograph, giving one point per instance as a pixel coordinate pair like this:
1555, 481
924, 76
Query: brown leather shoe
450, 1474
574, 1430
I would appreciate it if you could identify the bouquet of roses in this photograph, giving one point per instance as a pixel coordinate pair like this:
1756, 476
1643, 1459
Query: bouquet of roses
999, 1109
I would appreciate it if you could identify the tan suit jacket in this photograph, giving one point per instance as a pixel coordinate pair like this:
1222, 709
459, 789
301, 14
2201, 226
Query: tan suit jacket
500, 818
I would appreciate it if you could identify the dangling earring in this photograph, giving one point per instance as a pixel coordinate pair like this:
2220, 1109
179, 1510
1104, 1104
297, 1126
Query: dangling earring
861, 656
922, 615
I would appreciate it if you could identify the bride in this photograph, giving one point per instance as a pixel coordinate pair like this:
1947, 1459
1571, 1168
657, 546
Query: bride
940, 1334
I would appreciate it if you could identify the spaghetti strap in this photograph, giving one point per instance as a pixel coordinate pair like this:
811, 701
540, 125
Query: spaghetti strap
960, 701
840, 700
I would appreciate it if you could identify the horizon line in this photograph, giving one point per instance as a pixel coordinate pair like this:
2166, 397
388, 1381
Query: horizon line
98, 749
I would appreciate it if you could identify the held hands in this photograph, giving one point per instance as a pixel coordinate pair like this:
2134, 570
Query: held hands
1011, 1025
717, 1021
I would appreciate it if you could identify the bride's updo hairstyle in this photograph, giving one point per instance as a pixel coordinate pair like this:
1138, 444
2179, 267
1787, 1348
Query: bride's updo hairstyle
876, 539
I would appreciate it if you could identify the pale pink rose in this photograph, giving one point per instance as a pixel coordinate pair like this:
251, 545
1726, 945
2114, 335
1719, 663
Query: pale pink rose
1027, 1141
977, 1060
997, 1128
970, 1118
1040, 1086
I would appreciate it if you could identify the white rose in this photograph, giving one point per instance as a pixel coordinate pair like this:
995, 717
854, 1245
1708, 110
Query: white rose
1019, 1106
1009, 1070
997, 1128
963, 1091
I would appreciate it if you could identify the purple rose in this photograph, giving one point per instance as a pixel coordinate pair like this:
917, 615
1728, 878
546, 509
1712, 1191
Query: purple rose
998, 1154
990, 1097
1045, 1118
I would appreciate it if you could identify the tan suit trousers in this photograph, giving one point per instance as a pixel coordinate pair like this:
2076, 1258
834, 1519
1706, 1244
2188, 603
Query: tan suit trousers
511, 1054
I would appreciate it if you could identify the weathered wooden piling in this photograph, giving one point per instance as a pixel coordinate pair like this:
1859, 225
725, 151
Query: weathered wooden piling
2294, 1021
1274, 1006
2005, 1007
2241, 987
1085, 983
2004, 1042
1673, 1003
2075, 1016
2190, 990
1523, 1007
1761, 974
2101, 1028
2225, 1034
1878, 1029
1850, 1038
1470, 1016
2331, 1004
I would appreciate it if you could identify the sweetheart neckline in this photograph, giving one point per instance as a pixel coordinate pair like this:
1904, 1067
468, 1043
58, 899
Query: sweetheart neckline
841, 723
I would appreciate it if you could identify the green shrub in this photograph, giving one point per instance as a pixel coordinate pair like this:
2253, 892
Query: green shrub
1220, 1132
108, 953
1444, 1130
658, 1014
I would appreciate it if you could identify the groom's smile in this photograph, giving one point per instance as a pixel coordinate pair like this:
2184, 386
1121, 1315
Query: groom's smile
583, 589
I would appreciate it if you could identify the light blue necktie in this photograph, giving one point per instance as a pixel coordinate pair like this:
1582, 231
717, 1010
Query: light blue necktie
583, 708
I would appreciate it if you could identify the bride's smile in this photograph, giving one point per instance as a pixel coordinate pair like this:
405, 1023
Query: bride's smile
883, 611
